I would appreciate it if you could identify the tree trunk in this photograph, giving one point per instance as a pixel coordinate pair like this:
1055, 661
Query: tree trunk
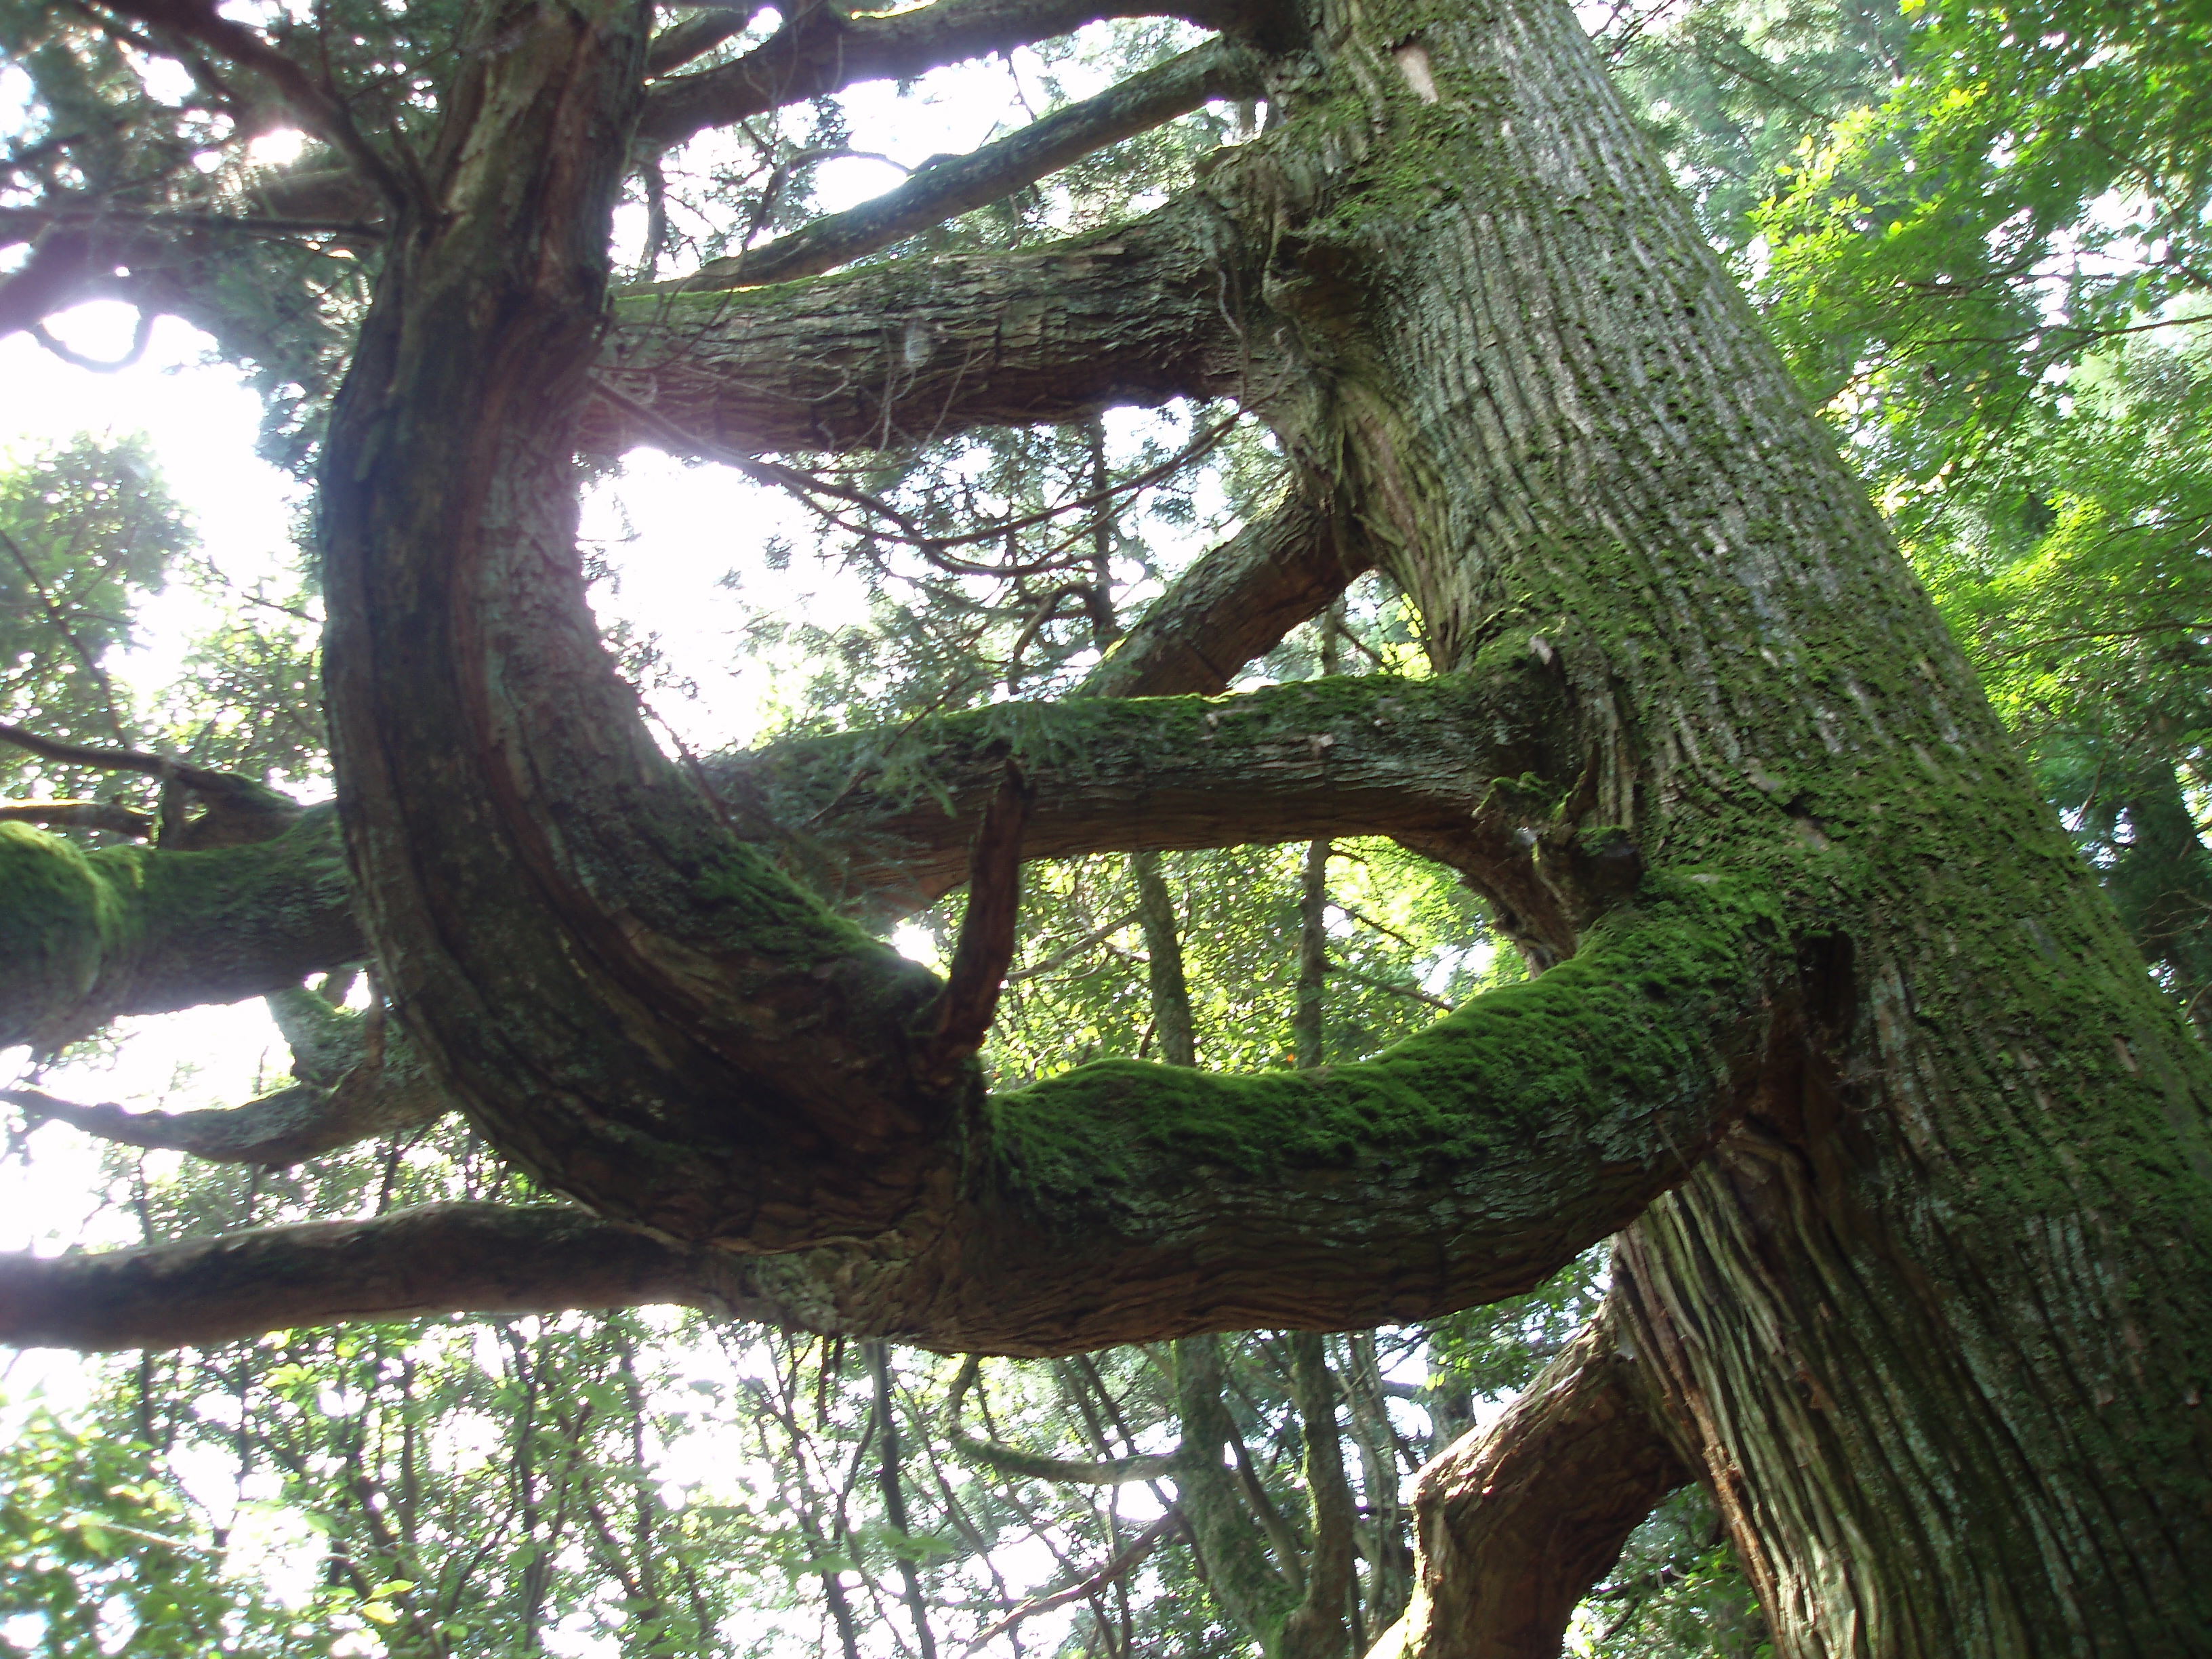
1935, 1323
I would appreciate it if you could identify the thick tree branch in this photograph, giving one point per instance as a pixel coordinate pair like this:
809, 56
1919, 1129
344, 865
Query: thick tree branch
439, 1259
1219, 68
87, 936
1517, 1523
1119, 1202
820, 49
901, 353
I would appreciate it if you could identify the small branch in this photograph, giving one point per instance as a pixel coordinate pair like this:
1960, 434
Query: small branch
1062, 957
1218, 69
1133, 1556
59, 621
288, 1127
140, 336
1412, 993
1019, 1465
988, 929
239, 810
316, 106
819, 50
178, 219
695, 36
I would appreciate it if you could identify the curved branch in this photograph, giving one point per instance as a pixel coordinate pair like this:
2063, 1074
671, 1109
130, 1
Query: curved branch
1013, 1461
920, 349
820, 49
1517, 1523
1219, 68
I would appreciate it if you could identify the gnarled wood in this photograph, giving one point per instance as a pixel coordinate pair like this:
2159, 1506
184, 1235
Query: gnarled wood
1516, 1523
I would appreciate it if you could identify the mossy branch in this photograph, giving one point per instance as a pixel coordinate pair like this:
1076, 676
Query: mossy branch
88, 936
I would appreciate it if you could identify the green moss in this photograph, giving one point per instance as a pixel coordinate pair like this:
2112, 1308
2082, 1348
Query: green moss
57, 915
1589, 1052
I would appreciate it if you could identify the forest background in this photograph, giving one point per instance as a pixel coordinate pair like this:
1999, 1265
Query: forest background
1979, 234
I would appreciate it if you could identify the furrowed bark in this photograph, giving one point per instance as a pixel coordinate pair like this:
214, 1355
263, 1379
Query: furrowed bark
1562, 423
707, 1051
1517, 1523
819, 50
926, 348
1219, 68
88, 937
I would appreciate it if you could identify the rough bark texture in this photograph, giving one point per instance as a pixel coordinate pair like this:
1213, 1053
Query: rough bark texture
929, 348
1908, 1308
1515, 1522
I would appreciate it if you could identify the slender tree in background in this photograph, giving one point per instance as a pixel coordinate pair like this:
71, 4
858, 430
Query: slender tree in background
1907, 1156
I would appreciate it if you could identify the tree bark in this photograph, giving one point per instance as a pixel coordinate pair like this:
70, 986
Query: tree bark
1940, 1310
1917, 1162
1518, 1523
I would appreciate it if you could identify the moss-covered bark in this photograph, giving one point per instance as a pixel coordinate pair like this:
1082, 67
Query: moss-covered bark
88, 937
1904, 1320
